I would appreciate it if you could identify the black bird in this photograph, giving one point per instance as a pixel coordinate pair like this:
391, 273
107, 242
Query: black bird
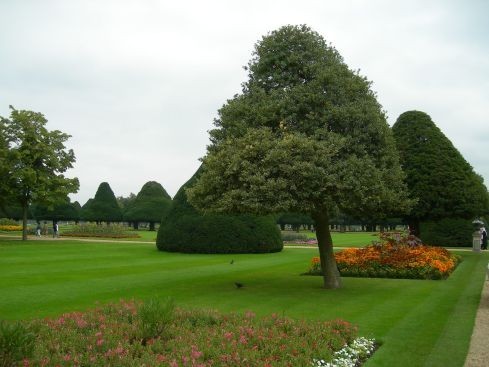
239, 285
232, 262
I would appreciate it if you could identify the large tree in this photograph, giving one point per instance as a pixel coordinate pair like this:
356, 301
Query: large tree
444, 183
103, 207
305, 135
37, 160
150, 205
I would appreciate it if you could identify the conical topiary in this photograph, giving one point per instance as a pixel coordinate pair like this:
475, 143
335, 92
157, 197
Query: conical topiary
151, 205
186, 230
103, 207
439, 177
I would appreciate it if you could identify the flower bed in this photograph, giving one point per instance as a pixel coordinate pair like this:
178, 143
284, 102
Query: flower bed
404, 257
10, 228
154, 333
99, 231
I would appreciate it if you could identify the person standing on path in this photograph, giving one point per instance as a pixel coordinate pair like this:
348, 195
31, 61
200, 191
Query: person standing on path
55, 230
38, 229
483, 238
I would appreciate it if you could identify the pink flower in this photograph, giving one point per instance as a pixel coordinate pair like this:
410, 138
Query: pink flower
196, 353
100, 342
81, 323
160, 358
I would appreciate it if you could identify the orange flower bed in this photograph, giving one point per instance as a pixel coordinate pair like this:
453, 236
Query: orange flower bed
393, 260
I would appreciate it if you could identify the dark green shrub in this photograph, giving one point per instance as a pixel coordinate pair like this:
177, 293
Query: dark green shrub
16, 343
447, 232
186, 230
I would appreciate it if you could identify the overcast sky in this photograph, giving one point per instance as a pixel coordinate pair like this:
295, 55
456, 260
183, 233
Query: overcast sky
138, 83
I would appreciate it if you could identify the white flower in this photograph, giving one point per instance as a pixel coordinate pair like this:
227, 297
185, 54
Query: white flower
349, 355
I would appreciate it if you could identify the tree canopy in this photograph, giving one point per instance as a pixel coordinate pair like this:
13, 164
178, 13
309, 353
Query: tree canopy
64, 210
438, 176
36, 161
305, 135
150, 205
103, 207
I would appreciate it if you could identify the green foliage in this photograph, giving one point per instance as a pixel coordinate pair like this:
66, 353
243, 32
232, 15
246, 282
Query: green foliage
438, 176
125, 202
15, 211
150, 205
296, 220
64, 210
16, 343
8, 222
447, 232
103, 207
305, 135
186, 230
156, 317
37, 160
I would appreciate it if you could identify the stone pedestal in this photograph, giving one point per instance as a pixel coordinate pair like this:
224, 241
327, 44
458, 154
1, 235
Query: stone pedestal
476, 241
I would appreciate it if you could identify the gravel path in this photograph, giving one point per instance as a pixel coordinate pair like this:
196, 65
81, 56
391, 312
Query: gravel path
478, 355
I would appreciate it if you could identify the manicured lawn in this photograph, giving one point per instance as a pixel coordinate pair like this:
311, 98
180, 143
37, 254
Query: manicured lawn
348, 239
421, 323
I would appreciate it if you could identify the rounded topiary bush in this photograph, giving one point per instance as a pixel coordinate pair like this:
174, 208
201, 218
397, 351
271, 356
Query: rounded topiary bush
447, 232
185, 229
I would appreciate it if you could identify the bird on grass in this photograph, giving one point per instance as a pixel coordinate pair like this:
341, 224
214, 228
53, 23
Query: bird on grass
232, 262
239, 285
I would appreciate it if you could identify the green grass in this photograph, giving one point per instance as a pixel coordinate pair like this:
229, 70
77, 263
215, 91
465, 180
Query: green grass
348, 239
421, 323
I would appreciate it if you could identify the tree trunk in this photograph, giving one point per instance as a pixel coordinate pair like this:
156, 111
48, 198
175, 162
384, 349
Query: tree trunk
135, 225
151, 226
331, 275
24, 221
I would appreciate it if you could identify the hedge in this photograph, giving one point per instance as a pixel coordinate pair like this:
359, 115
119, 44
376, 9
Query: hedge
186, 230
447, 232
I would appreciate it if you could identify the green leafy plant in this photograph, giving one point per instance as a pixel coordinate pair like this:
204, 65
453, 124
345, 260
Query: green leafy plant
16, 342
155, 317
